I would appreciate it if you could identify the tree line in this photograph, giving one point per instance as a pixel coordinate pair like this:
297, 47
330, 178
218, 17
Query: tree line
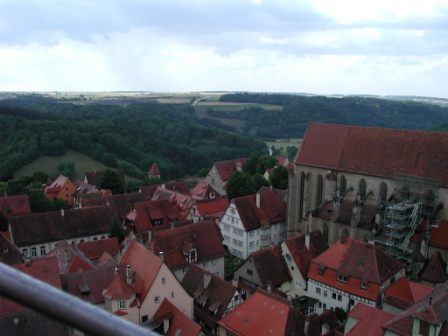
140, 134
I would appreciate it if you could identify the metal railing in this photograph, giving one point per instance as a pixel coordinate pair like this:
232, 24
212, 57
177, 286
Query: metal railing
63, 307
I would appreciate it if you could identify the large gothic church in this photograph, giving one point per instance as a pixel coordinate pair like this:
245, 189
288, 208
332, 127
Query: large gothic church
376, 184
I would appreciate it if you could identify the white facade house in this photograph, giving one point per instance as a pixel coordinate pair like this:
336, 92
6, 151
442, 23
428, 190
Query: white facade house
246, 228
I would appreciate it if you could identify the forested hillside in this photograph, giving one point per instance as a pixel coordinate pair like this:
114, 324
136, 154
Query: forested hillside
299, 111
139, 134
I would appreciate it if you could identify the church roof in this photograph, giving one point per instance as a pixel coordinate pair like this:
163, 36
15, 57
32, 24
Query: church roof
376, 151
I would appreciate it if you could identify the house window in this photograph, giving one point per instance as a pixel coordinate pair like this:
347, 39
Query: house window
363, 284
235, 241
121, 304
339, 297
321, 270
226, 238
352, 302
317, 290
333, 296
249, 272
157, 299
288, 257
25, 252
43, 250
251, 233
362, 189
342, 278
292, 268
251, 244
144, 318
325, 293
163, 281
226, 227
34, 252
172, 294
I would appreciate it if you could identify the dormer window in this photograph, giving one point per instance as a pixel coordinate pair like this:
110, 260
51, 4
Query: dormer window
321, 270
193, 255
121, 304
363, 284
342, 278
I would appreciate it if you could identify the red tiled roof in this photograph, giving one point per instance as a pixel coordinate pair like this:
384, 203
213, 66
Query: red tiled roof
439, 236
376, 151
303, 256
147, 212
215, 207
435, 270
204, 236
57, 184
120, 204
185, 202
79, 265
227, 168
405, 293
369, 319
210, 301
358, 261
44, 269
148, 191
202, 190
154, 170
53, 226
15, 205
260, 315
144, 264
96, 248
433, 308
178, 320
179, 186
270, 266
118, 289
272, 210
282, 160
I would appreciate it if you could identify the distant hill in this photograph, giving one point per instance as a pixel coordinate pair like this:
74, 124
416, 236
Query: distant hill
298, 111
139, 134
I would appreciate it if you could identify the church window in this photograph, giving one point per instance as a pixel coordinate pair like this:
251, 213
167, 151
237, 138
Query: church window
320, 190
301, 196
383, 192
362, 189
342, 185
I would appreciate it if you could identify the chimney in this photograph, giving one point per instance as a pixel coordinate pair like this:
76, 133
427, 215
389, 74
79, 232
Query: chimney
62, 212
207, 279
257, 199
166, 324
162, 256
128, 274
269, 286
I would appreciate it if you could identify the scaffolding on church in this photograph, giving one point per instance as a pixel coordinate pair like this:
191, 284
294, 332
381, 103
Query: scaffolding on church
399, 224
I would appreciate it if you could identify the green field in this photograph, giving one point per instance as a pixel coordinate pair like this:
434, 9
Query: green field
283, 144
49, 165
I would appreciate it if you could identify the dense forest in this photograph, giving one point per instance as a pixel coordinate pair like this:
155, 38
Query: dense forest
139, 134
298, 111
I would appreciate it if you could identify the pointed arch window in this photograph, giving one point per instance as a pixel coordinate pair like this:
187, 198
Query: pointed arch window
301, 196
320, 190
383, 192
362, 189
342, 185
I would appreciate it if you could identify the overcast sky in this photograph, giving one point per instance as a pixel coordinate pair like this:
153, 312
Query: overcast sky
316, 46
